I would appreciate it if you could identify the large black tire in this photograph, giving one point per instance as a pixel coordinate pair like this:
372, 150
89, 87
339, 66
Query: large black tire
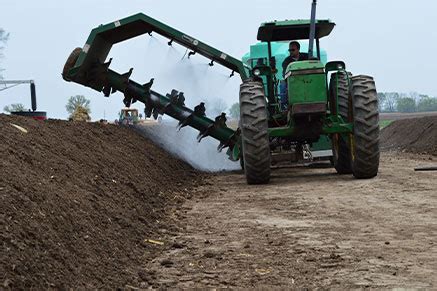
339, 85
365, 139
71, 61
254, 132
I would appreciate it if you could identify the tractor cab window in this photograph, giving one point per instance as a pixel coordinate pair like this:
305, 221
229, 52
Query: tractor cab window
258, 62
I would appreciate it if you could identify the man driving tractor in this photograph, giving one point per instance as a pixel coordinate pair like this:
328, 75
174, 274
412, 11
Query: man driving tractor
295, 55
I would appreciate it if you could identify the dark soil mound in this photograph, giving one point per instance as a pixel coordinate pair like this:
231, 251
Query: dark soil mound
78, 201
416, 135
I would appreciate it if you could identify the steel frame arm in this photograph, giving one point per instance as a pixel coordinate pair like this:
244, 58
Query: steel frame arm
91, 70
101, 39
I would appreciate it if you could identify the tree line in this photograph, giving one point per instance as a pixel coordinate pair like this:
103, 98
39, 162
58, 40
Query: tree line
387, 102
405, 103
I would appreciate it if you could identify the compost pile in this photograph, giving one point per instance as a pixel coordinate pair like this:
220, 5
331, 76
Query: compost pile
415, 135
83, 204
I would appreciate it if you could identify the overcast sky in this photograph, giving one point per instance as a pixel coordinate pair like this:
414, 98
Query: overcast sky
394, 41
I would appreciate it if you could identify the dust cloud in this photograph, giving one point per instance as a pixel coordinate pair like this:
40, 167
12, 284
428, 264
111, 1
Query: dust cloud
200, 82
183, 144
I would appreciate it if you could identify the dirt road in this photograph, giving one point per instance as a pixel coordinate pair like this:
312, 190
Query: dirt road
308, 228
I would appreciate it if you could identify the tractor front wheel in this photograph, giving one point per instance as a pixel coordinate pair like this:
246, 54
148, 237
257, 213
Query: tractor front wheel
364, 141
339, 87
254, 132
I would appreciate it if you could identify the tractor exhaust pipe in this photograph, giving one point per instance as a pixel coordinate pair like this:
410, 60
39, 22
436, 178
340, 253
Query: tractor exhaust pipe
312, 30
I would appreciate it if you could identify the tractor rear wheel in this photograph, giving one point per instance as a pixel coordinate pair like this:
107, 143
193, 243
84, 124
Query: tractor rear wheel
365, 138
71, 61
254, 132
339, 86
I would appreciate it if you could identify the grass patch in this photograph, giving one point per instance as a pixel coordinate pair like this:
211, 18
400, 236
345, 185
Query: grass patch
384, 123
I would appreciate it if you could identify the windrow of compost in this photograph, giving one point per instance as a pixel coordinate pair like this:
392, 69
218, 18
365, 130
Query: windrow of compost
414, 135
84, 204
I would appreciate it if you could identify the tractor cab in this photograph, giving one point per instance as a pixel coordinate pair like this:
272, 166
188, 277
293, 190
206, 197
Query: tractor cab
300, 94
287, 90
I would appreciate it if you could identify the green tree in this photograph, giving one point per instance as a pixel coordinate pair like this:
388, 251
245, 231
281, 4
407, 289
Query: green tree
427, 103
77, 101
413, 95
234, 111
406, 104
391, 101
76, 104
3, 39
14, 108
381, 101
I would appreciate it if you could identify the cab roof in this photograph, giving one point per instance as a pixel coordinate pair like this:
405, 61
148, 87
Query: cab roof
293, 29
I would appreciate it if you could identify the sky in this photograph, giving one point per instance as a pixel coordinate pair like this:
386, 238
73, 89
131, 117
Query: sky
394, 41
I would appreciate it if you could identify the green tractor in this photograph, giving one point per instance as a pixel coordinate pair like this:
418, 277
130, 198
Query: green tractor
321, 99
128, 116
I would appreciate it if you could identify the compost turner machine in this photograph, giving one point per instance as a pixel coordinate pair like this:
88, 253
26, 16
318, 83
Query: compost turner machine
321, 99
